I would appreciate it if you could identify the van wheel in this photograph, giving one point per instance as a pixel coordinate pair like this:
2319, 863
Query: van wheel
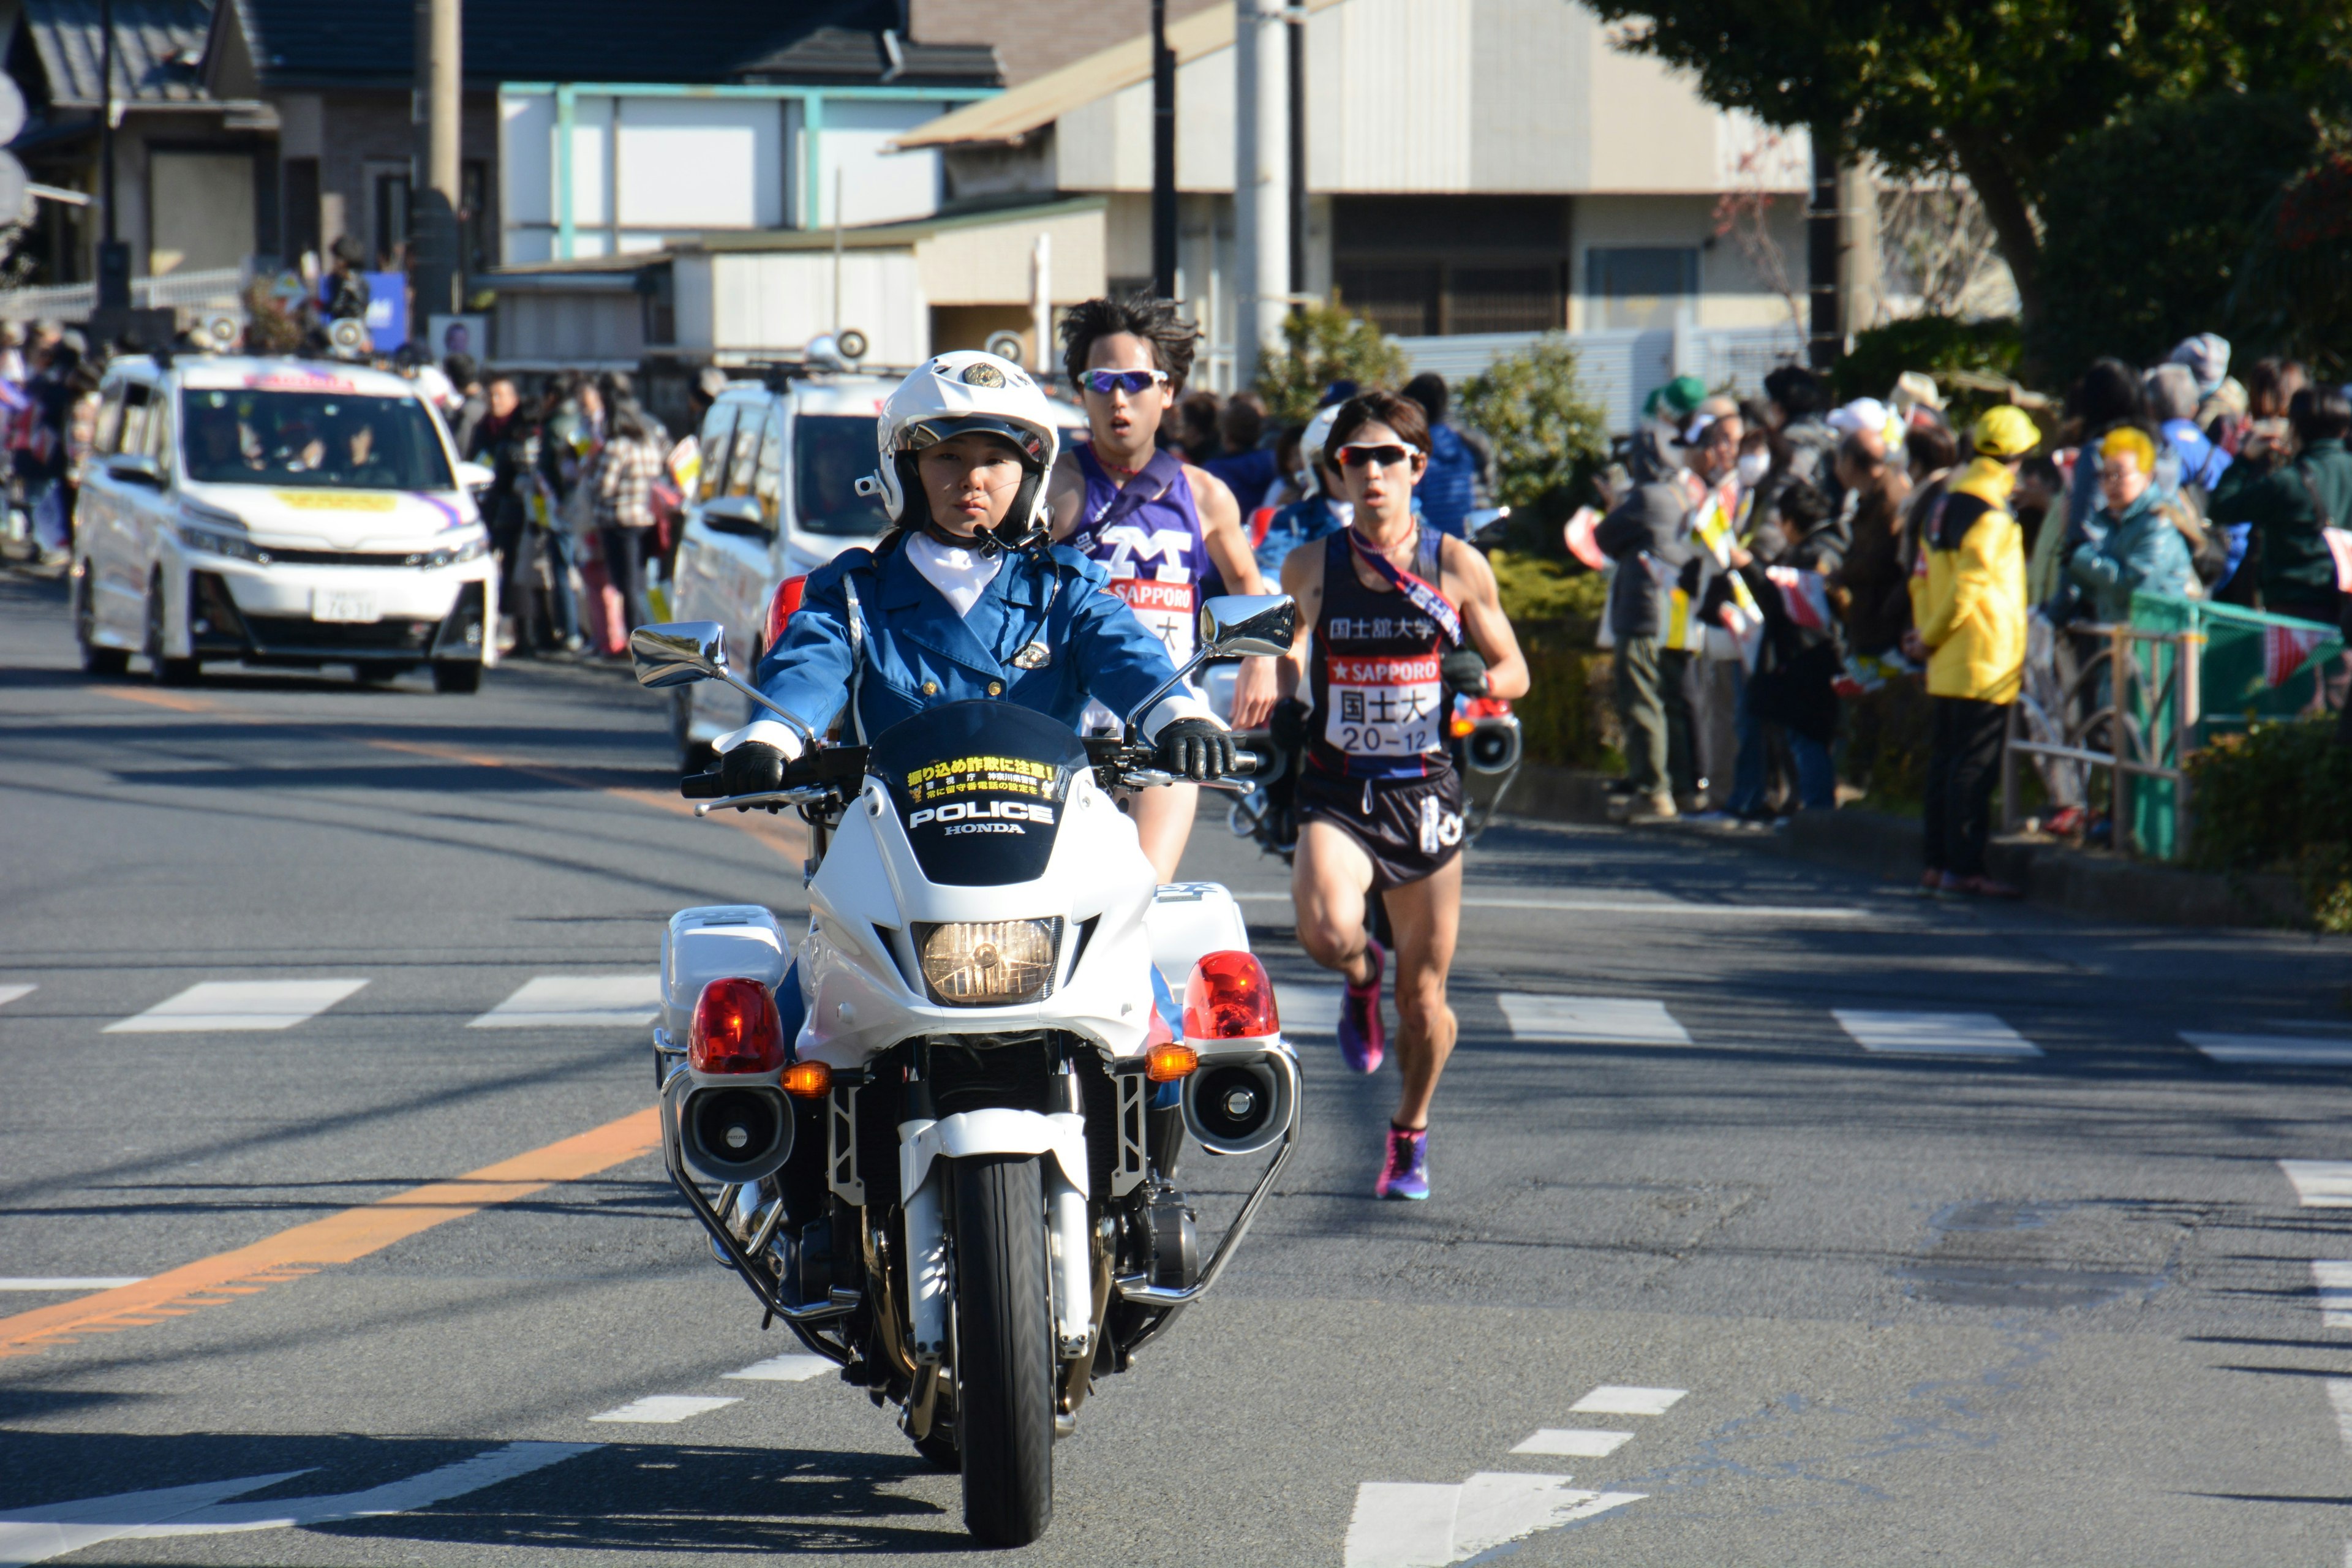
96, 660
167, 671
457, 676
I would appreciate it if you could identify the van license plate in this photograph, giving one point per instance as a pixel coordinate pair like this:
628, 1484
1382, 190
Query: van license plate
334, 605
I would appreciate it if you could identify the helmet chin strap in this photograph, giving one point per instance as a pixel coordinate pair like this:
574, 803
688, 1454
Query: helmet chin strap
1006, 536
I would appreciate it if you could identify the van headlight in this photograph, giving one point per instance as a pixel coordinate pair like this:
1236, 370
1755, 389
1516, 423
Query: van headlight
472, 549
988, 964
213, 542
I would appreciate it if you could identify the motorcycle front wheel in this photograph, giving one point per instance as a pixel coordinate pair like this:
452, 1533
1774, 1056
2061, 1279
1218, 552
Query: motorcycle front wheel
1004, 1349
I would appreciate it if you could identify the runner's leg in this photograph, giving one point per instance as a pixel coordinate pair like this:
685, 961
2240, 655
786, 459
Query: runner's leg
1427, 918
1163, 821
1328, 881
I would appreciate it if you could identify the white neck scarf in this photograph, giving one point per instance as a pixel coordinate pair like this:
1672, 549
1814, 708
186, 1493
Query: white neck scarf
959, 575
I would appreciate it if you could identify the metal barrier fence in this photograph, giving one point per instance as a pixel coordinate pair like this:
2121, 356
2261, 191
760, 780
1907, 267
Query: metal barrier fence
223, 287
1617, 369
2146, 710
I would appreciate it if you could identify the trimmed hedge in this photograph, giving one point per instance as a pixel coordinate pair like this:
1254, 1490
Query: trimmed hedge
2279, 797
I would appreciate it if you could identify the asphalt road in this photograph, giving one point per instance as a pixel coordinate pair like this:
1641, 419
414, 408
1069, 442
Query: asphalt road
1949, 1302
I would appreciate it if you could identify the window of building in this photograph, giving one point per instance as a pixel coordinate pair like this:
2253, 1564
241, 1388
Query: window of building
1643, 287
391, 239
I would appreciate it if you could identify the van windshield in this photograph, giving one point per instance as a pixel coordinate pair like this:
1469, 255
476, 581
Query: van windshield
318, 440
831, 452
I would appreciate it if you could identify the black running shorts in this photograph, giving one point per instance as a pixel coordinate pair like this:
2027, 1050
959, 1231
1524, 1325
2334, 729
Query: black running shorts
1410, 828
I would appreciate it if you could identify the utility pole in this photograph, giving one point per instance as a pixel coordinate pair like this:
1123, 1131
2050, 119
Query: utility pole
437, 268
1261, 178
1163, 156
1294, 24
1825, 336
113, 255
1857, 247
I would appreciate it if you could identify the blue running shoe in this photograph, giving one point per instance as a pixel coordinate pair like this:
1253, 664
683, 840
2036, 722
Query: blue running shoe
1406, 1172
1363, 1039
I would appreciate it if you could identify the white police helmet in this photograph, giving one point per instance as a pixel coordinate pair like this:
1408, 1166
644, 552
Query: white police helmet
956, 393
1310, 445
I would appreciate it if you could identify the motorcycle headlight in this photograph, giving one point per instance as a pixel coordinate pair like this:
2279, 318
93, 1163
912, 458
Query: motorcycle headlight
989, 964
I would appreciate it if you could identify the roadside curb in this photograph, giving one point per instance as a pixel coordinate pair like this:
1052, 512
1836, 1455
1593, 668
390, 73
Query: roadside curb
1878, 844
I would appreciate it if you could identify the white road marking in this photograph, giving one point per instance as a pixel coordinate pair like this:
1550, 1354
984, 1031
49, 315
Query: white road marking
783, 1369
1619, 1399
1933, 1034
1595, 1020
1400, 1524
1308, 1009
70, 1281
666, 1409
2275, 1050
1658, 907
2339, 1395
2333, 1282
2320, 1183
36, 1534
578, 1002
14, 992
1575, 1442
217, 1004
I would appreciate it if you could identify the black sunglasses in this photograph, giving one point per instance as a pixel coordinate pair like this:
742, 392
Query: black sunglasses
1387, 455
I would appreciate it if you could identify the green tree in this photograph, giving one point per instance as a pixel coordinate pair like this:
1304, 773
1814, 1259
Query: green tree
1321, 344
1994, 89
1547, 434
2293, 293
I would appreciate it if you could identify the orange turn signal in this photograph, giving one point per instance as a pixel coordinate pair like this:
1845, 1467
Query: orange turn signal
808, 1080
1168, 1063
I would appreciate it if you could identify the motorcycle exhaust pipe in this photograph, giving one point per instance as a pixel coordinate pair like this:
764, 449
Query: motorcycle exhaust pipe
1241, 1104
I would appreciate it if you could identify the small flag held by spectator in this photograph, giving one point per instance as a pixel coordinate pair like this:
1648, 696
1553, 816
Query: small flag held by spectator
2286, 650
2339, 545
1806, 595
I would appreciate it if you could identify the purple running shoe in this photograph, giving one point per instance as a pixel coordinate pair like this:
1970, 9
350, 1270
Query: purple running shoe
1405, 1175
1363, 1039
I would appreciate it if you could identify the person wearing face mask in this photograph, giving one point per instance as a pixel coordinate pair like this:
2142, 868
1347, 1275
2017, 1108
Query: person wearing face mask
963, 599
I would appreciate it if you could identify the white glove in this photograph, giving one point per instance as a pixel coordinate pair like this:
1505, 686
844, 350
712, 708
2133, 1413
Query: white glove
765, 732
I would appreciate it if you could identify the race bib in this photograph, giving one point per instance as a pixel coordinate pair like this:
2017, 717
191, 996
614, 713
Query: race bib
1164, 608
1384, 706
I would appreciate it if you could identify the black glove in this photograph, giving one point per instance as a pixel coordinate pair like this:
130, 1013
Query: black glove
1288, 725
1463, 671
1196, 749
752, 768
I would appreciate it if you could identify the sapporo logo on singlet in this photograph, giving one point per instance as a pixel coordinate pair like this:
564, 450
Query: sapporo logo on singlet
1384, 705
1003, 781
1148, 569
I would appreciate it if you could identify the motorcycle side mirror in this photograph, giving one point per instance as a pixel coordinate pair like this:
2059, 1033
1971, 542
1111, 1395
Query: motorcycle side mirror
1254, 625
679, 653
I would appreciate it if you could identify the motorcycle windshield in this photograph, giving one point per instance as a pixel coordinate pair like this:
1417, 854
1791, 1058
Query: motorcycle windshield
979, 787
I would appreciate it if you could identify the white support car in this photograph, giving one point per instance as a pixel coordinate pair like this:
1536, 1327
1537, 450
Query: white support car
278, 512
776, 499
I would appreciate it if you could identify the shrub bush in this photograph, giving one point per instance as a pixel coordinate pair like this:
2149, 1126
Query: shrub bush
2279, 797
1321, 344
1937, 345
1549, 437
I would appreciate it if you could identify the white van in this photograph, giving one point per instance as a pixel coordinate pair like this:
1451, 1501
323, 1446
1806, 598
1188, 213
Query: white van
777, 499
278, 512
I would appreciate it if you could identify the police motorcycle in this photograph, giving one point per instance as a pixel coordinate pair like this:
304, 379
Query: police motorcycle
1483, 735
957, 1179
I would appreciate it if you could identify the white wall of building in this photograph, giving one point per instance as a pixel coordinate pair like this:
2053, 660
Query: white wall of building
751, 302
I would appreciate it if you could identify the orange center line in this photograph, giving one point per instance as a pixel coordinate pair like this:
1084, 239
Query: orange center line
321, 1243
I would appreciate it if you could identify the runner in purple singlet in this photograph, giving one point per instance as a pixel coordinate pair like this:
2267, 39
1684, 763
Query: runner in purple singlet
1156, 522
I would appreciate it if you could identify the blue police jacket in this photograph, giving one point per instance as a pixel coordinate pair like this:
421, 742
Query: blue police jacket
1046, 633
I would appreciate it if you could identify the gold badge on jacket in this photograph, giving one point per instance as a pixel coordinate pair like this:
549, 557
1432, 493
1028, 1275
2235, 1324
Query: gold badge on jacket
1035, 656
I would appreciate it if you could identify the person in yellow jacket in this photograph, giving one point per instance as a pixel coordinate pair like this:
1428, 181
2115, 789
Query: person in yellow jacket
1968, 608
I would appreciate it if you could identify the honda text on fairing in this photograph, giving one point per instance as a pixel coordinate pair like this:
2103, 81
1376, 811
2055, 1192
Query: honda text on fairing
994, 1066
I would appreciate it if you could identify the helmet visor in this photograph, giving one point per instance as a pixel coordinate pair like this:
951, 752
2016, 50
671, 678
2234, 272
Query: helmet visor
925, 433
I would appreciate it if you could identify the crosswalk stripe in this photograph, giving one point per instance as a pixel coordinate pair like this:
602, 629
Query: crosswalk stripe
222, 1005
1574, 1442
1933, 1034
668, 1409
1406, 1525
1593, 1020
1622, 1399
12, 992
2320, 1183
783, 1369
2332, 1280
1308, 1009
578, 1002
2273, 1050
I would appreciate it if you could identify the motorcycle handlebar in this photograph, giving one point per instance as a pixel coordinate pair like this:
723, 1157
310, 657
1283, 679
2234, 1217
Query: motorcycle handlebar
702, 786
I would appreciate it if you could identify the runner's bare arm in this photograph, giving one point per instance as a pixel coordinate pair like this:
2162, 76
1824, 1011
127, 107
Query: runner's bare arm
1489, 630
1302, 579
1221, 531
1065, 495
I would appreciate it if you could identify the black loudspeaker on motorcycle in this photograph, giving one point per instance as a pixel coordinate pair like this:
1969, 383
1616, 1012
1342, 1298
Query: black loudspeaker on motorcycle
732, 1132
1494, 745
1241, 1104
